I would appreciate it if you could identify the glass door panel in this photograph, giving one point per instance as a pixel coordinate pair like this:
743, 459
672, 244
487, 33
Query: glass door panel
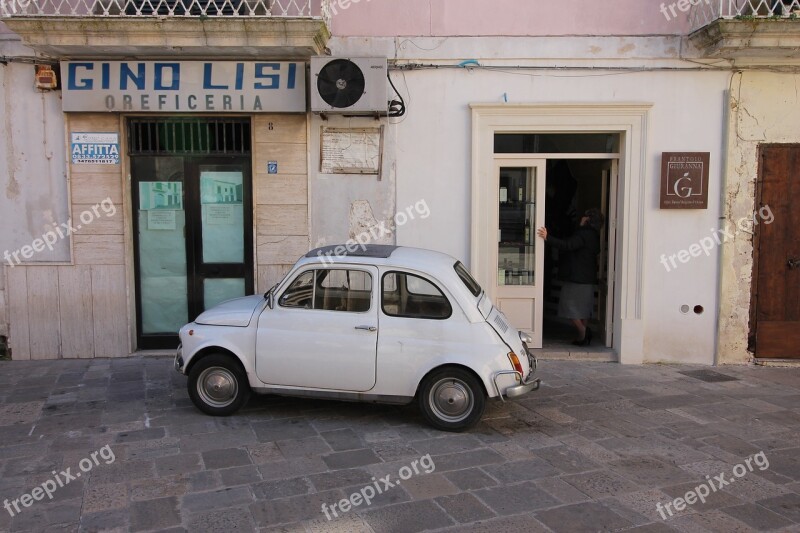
517, 215
222, 212
216, 291
161, 224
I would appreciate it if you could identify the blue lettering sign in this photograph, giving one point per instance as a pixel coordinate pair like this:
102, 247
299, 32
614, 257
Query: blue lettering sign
125, 74
275, 79
159, 76
207, 67
86, 83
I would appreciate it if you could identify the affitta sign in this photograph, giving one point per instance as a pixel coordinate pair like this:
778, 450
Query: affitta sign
184, 86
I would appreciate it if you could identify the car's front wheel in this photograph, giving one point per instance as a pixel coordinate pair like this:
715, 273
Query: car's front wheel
452, 399
218, 385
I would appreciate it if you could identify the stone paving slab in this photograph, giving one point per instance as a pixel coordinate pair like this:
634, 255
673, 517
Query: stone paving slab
601, 447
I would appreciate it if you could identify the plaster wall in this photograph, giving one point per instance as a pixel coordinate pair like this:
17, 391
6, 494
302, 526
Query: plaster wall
433, 162
505, 17
33, 184
764, 108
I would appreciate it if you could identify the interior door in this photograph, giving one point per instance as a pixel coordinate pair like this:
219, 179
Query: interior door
518, 277
322, 331
608, 239
777, 270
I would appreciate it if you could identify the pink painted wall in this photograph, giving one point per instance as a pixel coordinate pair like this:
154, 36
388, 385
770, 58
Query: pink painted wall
504, 17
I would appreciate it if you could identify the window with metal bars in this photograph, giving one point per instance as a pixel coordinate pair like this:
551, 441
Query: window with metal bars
189, 136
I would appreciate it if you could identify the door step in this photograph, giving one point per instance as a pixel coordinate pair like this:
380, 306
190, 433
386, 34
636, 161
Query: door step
777, 362
553, 353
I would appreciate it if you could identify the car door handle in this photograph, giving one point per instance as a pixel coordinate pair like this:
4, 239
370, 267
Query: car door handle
367, 328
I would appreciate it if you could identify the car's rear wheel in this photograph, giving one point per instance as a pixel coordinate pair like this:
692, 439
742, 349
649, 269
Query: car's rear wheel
218, 385
452, 399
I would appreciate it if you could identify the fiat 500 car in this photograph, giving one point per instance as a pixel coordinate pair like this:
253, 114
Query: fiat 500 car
371, 323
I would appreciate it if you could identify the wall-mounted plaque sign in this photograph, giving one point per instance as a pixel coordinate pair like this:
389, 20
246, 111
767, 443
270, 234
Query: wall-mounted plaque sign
684, 180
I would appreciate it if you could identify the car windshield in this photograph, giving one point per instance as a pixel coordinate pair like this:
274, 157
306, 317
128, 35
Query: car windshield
473, 286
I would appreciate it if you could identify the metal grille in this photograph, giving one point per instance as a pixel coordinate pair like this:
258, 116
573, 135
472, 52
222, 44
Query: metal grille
705, 12
167, 8
500, 323
189, 136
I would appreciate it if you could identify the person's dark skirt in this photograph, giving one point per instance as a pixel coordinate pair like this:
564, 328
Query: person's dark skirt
576, 300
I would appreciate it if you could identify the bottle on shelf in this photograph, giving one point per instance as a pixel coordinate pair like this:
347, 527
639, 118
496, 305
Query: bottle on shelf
527, 231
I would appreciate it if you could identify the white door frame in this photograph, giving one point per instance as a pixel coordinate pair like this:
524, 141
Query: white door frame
627, 119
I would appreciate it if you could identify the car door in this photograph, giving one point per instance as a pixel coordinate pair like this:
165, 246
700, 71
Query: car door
322, 330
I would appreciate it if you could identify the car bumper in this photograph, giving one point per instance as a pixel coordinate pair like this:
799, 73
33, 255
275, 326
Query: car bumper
515, 391
179, 359
524, 388
526, 385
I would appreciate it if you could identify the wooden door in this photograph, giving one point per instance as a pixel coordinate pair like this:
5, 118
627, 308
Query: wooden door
776, 288
517, 286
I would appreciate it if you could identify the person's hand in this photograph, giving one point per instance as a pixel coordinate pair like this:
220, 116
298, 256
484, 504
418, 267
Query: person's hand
542, 232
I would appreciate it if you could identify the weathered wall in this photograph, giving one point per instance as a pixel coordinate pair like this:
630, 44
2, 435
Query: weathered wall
344, 206
33, 181
764, 108
78, 308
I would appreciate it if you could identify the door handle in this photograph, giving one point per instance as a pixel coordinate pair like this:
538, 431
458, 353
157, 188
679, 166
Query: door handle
794, 263
367, 328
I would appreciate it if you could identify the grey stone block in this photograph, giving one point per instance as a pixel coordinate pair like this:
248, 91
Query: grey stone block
351, 458
409, 517
225, 458
464, 508
519, 498
342, 439
587, 516
154, 514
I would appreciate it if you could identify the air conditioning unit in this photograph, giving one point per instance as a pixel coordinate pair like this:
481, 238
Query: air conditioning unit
351, 86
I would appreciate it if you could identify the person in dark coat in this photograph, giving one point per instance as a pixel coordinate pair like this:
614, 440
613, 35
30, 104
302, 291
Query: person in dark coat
577, 268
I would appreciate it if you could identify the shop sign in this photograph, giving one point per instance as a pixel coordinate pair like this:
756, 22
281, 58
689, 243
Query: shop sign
184, 86
94, 148
684, 180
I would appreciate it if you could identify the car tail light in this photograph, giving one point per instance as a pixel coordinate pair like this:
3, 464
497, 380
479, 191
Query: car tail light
515, 363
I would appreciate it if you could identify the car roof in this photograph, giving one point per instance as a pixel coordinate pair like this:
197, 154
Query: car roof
382, 251
383, 255
436, 264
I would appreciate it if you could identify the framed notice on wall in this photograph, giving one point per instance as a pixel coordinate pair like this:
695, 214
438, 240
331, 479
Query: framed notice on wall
351, 151
684, 180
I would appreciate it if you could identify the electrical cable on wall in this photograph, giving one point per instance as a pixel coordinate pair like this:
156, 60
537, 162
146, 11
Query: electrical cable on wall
397, 108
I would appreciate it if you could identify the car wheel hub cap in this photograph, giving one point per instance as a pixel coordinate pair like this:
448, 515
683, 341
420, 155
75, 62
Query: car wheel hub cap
217, 387
451, 400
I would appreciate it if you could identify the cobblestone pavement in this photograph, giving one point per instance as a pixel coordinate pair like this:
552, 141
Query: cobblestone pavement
597, 448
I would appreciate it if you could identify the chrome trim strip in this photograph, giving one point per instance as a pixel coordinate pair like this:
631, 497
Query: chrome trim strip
336, 395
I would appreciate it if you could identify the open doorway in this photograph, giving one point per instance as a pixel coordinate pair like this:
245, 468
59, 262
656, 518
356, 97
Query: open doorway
573, 187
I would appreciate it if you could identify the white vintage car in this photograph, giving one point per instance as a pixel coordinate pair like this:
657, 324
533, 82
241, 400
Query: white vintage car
382, 324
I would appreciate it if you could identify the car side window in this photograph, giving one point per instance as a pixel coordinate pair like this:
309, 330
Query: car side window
300, 292
343, 290
409, 296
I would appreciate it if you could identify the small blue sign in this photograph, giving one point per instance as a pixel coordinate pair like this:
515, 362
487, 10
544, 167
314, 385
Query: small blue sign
272, 167
95, 148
